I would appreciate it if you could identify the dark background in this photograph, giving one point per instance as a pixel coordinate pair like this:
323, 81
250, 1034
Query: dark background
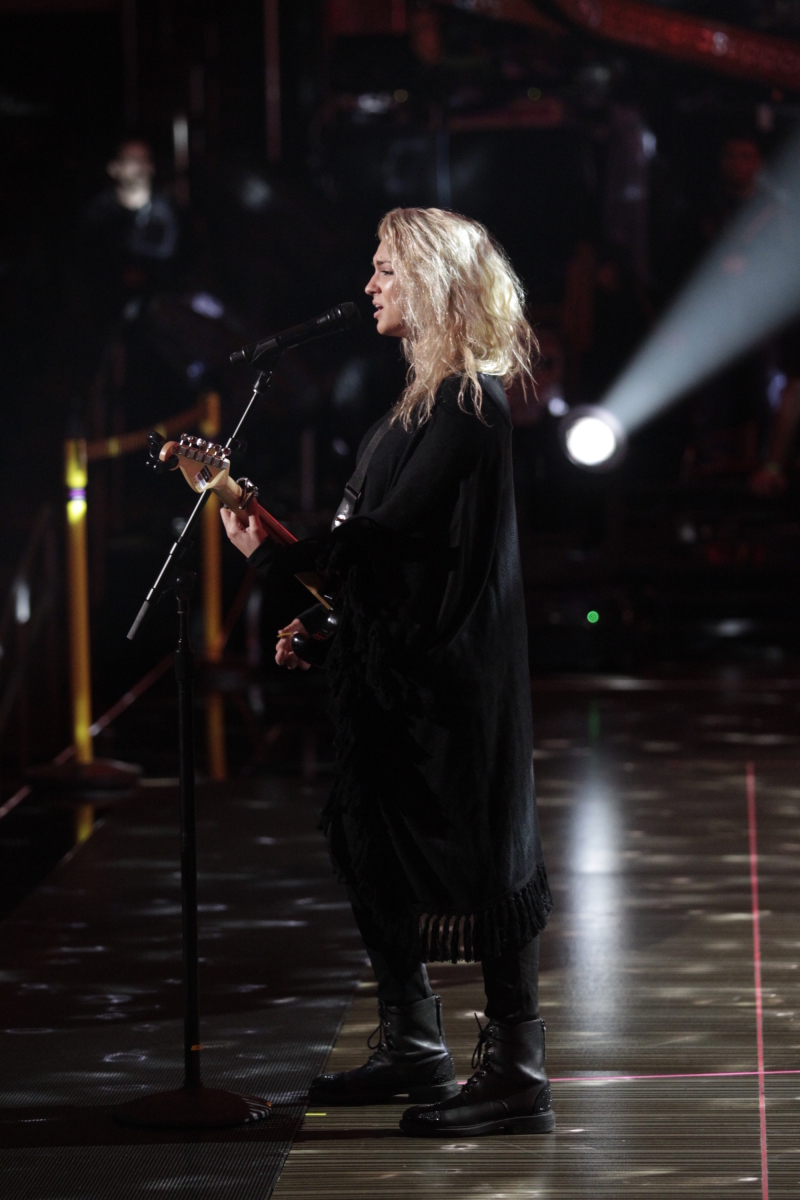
380, 104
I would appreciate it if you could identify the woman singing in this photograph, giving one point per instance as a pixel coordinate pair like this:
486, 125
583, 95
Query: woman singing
432, 822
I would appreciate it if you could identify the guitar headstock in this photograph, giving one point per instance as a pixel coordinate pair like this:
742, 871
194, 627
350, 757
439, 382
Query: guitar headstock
206, 465
197, 449
203, 464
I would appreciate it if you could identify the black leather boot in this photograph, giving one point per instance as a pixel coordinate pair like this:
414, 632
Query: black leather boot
509, 1092
411, 1058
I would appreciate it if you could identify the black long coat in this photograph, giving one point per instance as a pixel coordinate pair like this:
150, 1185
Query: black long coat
432, 821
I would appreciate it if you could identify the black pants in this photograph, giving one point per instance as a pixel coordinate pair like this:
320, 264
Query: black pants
511, 982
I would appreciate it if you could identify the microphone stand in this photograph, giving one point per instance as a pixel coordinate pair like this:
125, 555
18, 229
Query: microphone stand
192, 1106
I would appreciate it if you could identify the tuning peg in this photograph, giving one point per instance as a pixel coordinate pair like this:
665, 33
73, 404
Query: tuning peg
154, 443
153, 461
161, 468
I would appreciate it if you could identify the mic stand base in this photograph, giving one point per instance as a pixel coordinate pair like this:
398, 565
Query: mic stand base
193, 1108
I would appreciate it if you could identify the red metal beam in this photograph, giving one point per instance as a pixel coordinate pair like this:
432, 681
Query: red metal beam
518, 12
364, 16
713, 44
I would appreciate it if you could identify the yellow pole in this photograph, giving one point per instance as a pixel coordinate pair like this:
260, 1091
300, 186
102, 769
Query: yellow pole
76, 477
211, 420
212, 605
78, 586
83, 822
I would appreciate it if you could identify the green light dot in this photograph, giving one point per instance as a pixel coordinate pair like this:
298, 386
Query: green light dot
593, 617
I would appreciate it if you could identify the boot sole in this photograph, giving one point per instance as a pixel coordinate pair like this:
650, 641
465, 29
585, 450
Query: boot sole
432, 1094
537, 1123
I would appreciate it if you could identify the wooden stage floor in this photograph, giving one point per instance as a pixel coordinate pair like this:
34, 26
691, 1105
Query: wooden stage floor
648, 972
667, 814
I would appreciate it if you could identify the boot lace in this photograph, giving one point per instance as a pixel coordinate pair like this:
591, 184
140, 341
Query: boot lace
482, 1052
380, 1031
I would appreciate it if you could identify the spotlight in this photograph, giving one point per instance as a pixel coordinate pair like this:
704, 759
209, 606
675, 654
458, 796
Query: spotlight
592, 438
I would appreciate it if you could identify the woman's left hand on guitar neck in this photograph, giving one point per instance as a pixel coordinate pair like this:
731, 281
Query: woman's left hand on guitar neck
246, 529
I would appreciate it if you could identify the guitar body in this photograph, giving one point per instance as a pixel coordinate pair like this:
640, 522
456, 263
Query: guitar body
206, 467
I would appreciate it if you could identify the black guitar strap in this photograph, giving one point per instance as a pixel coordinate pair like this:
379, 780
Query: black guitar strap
355, 484
322, 621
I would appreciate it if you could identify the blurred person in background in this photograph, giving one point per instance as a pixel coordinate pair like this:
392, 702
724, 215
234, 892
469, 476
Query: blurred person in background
127, 253
129, 234
432, 823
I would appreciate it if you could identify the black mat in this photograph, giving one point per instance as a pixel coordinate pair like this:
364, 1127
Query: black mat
90, 996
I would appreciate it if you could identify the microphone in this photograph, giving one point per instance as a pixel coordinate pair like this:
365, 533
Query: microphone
341, 316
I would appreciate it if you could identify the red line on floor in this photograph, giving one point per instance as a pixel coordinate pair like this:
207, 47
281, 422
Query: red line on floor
762, 1099
101, 723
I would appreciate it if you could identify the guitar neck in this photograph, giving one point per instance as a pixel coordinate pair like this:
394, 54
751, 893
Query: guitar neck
279, 533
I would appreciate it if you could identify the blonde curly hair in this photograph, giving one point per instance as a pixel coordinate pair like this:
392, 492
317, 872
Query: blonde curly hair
462, 306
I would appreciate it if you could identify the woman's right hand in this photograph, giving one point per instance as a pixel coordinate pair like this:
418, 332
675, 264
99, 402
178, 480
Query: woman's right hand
284, 655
